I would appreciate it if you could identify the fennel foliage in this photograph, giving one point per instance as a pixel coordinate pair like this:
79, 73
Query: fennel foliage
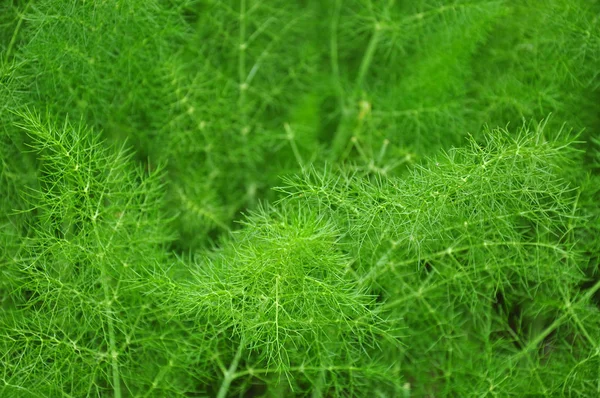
320, 198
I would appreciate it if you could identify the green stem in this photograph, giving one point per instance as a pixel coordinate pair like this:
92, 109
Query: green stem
367, 58
230, 374
243, 81
344, 131
291, 138
112, 339
317, 390
243, 86
333, 51
540, 338
13, 39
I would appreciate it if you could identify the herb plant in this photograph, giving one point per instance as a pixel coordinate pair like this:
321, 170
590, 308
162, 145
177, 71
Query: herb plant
353, 198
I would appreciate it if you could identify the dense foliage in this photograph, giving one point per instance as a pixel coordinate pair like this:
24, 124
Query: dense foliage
285, 198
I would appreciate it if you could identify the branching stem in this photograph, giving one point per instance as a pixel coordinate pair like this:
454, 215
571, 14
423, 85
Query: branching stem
230, 374
343, 133
542, 336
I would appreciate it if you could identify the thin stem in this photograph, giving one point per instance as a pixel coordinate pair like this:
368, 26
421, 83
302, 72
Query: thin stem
367, 57
291, 138
342, 135
302, 369
243, 82
243, 86
277, 317
383, 265
542, 336
230, 374
333, 51
13, 39
111, 338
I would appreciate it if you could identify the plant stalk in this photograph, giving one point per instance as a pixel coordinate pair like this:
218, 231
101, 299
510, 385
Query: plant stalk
230, 374
13, 39
343, 133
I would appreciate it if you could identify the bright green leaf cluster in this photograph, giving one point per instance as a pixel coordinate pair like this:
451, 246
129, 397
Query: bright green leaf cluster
475, 254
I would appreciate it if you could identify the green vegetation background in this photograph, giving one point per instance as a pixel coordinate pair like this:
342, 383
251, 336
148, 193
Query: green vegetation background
315, 198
